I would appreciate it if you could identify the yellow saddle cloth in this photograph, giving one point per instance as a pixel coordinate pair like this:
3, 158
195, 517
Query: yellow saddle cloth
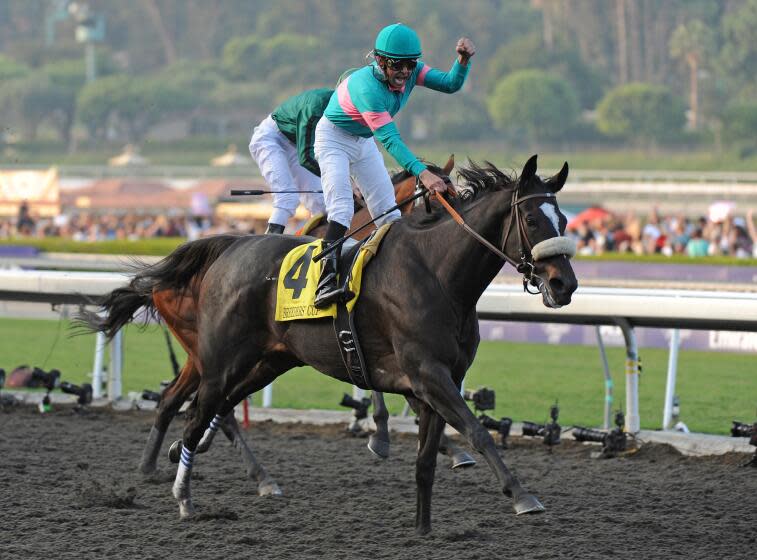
298, 279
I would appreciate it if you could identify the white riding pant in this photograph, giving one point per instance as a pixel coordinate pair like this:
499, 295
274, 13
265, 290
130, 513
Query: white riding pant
280, 165
341, 154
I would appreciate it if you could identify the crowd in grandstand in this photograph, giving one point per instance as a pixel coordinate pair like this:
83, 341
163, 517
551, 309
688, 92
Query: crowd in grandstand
602, 233
667, 235
81, 226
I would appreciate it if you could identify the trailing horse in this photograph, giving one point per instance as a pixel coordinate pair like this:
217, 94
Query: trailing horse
416, 317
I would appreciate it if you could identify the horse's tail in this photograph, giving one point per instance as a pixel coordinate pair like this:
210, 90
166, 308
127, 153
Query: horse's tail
187, 264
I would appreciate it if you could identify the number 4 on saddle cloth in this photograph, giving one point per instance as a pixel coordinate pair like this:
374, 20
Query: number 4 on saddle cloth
295, 295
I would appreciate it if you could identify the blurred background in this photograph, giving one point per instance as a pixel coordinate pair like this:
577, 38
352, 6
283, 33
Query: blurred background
143, 109
80, 79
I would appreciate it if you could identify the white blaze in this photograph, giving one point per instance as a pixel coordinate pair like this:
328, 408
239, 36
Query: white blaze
549, 212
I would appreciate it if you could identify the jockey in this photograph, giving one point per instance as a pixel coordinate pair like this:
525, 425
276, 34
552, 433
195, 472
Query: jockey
362, 107
282, 146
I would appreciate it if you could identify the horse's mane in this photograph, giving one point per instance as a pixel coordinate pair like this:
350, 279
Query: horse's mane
475, 180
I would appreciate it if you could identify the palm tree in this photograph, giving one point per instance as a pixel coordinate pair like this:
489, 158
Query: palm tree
692, 43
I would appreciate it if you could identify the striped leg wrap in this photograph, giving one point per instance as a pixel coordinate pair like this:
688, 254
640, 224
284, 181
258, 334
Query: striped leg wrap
187, 457
215, 423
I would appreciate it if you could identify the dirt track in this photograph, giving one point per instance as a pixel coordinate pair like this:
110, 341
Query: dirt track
69, 489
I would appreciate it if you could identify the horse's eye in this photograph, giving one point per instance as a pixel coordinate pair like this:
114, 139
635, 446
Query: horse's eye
530, 222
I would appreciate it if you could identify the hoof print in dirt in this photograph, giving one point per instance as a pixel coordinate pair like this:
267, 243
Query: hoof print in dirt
97, 494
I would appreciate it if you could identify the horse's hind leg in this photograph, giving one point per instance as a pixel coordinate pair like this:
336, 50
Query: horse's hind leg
178, 313
267, 486
170, 402
458, 456
430, 428
264, 373
218, 395
378, 442
209, 396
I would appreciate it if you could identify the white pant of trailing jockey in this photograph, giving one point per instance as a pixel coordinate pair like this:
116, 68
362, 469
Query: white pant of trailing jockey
279, 164
340, 155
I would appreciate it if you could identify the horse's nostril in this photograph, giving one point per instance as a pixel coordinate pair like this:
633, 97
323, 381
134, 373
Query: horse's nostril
556, 285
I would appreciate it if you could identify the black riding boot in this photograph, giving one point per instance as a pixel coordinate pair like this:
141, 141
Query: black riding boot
274, 228
328, 291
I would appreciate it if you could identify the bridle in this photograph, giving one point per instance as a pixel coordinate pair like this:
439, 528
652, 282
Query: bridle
525, 248
525, 265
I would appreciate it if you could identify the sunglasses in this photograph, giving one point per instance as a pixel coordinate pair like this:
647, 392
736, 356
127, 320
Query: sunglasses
399, 64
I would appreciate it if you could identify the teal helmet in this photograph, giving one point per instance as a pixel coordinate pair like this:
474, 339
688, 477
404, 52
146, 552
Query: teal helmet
398, 41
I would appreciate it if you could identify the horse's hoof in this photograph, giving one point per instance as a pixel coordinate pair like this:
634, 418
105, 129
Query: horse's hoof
379, 447
148, 465
186, 509
462, 460
422, 531
174, 452
528, 503
269, 488
148, 469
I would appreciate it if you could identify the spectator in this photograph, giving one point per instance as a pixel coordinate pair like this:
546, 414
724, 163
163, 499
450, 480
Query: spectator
697, 246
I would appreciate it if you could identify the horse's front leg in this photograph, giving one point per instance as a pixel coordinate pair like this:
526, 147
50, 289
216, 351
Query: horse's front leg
434, 386
430, 428
378, 442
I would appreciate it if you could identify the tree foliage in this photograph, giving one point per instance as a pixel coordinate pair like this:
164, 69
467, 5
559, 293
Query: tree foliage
535, 103
277, 60
11, 69
290, 45
134, 105
740, 122
641, 112
32, 99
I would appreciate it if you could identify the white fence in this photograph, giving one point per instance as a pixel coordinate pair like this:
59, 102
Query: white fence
626, 308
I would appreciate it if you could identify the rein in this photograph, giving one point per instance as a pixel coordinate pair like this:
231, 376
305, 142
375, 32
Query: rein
526, 264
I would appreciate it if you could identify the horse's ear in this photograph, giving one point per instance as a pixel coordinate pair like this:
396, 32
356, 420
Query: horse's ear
557, 182
529, 170
450, 165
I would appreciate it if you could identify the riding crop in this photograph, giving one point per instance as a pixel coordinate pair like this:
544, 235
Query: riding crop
257, 192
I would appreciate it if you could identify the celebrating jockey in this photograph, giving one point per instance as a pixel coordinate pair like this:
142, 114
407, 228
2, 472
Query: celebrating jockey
282, 146
362, 107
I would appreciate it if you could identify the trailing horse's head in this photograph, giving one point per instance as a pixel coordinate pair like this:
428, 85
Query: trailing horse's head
536, 233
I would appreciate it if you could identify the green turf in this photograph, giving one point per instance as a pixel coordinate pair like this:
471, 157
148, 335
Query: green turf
714, 388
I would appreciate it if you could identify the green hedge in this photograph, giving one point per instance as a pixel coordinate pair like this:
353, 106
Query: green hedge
157, 246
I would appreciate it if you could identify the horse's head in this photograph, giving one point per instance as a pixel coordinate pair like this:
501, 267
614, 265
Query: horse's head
536, 235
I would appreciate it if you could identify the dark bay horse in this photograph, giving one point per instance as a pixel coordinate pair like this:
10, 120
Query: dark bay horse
171, 288
416, 317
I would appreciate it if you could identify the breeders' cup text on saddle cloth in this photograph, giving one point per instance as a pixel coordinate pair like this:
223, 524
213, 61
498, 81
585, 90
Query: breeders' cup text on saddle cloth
298, 278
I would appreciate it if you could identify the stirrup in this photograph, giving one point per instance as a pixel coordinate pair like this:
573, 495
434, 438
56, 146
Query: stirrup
335, 295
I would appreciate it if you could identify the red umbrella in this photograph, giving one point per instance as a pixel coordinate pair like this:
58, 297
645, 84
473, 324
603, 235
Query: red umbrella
589, 215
